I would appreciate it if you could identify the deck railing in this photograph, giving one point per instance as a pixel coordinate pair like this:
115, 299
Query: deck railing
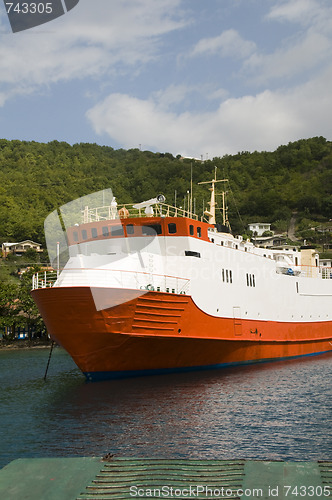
137, 280
127, 210
112, 278
44, 279
326, 272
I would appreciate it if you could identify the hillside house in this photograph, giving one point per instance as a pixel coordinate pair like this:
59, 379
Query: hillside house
20, 248
259, 228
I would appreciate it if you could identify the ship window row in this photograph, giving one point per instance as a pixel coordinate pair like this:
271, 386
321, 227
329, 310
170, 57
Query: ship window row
146, 230
251, 280
227, 276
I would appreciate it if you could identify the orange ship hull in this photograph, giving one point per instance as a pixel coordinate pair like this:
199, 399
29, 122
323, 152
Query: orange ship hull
158, 332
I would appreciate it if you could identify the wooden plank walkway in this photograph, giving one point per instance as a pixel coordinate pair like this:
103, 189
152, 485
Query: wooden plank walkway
128, 478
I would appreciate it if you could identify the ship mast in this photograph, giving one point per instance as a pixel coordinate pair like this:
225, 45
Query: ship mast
212, 212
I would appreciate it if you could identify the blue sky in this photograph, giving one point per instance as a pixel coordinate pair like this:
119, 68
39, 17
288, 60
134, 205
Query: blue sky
191, 77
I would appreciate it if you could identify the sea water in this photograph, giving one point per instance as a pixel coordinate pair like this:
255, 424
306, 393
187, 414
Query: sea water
271, 411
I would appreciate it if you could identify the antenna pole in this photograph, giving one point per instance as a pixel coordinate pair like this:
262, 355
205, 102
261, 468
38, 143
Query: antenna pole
191, 189
212, 212
223, 209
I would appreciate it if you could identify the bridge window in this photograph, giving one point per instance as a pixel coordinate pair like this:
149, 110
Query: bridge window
191, 230
105, 231
199, 232
117, 230
172, 228
151, 230
84, 234
130, 228
94, 233
75, 235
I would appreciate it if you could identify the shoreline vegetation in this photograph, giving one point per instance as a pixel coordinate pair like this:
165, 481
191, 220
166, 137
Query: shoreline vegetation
26, 344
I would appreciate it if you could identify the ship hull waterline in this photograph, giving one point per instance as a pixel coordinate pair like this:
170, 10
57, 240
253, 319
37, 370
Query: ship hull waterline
139, 334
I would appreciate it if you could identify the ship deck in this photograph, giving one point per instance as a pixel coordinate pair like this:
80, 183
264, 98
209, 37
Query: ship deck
123, 478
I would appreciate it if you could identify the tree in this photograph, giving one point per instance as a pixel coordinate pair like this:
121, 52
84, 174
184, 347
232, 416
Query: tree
9, 308
28, 310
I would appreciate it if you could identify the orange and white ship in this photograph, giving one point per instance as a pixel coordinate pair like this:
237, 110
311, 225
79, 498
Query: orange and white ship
150, 288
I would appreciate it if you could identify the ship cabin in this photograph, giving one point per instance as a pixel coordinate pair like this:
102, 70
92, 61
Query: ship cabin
157, 219
138, 227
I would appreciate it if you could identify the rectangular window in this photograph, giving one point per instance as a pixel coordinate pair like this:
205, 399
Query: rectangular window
75, 235
130, 229
191, 253
172, 228
84, 234
151, 230
117, 230
199, 232
250, 279
191, 230
223, 274
94, 233
253, 280
227, 275
247, 275
230, 277
105, 231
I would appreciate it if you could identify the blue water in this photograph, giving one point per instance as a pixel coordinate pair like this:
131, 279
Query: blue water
276, 411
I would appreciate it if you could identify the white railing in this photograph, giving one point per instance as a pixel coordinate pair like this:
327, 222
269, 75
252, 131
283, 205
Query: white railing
127, 210
44, 279
326, 272
111, 278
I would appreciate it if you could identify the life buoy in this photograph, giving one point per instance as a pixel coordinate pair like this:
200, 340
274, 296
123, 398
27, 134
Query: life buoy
123, 213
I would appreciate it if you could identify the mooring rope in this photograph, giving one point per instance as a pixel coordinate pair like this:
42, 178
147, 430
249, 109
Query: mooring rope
49, 359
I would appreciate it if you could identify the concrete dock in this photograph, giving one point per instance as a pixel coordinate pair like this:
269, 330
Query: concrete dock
111, 478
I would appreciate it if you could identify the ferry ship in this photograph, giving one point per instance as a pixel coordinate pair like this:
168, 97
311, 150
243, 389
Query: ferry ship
151, 288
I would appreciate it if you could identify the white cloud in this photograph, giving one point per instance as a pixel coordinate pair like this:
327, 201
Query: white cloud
186, 95
303, 55
228, 44
2, 99
174, 94
300, 55
260, 122
94, 39
300, 11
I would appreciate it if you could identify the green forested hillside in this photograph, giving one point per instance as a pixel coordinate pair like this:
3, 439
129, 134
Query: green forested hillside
36, 178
